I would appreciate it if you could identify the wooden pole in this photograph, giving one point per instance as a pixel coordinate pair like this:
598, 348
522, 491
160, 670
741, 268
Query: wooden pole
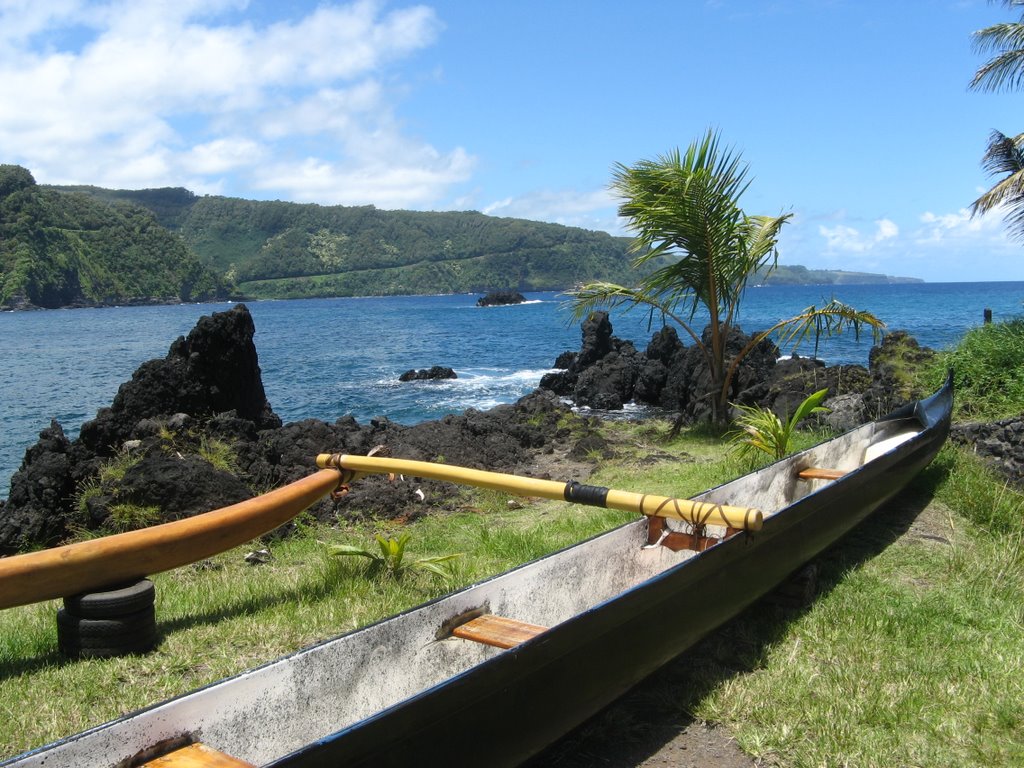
987, 315
90, 565
695, 512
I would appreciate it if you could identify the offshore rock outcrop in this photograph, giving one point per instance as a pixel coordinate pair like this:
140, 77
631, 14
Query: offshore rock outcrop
500, 299
428, 374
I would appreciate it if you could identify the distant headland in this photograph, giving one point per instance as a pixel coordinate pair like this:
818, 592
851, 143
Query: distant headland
794, 274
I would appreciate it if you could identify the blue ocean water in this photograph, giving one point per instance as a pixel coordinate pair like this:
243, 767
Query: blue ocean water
324, 358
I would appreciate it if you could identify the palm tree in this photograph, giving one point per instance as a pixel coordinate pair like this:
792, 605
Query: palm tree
703, 248
1004, 155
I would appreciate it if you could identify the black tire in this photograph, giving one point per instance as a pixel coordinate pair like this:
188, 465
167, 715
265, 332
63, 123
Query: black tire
133, 633
118, 600
82, 651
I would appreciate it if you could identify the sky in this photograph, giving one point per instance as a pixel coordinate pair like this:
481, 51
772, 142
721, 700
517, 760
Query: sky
853, 115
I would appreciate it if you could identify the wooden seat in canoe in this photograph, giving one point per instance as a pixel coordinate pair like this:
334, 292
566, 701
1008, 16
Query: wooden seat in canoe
497, 631
821, 473
196, 755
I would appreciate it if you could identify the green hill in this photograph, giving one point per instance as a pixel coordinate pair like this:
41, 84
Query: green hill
274, 249
85, 245
286, 250
62, 249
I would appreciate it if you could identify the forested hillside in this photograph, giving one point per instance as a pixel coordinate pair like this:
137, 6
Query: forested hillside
62, 249
85, 245
274, 249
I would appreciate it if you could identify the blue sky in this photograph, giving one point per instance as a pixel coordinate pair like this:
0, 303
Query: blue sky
854, 115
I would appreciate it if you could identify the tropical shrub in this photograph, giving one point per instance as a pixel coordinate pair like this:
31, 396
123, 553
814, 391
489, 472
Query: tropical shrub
760, 430
391, 559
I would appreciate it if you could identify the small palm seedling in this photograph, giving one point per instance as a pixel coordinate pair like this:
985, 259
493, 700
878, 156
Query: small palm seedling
759, 430
391, 559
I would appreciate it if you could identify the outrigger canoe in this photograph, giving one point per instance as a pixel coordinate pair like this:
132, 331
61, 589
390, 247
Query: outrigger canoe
493, 673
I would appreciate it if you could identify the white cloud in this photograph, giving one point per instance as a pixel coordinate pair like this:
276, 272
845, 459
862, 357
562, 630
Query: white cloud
961, 226
845, 238
149, 93
592, 210
221, 155
411, 182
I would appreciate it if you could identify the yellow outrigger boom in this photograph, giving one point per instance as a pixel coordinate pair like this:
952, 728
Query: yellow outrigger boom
698, 513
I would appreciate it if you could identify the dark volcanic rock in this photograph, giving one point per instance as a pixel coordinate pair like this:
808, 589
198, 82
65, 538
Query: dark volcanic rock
37, 511
181, 486
608, 372
179, 419
1000, 444
795, 378
597, 340
602, 374
688, 387
500, 298
608, 383
426, 374
210, 377
214, 369
891, 366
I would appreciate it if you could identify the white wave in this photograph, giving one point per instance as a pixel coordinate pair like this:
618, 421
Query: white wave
517, 304
487, 377
629, 412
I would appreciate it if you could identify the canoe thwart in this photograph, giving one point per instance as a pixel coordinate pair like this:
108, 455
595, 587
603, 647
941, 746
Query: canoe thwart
196, 755
821, 473
498, 631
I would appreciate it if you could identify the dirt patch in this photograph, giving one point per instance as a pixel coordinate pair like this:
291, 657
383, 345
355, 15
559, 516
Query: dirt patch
666, 741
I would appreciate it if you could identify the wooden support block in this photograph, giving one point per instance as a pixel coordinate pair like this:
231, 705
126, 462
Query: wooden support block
677, 540
497, 631
820, 473
196, 756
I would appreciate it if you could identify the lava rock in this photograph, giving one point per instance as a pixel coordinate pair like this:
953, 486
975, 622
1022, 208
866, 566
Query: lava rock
37, 512
1000, 444
214, 369
428, 374
500, 298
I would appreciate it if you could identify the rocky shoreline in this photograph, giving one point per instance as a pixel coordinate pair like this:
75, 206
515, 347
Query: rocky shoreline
194, 431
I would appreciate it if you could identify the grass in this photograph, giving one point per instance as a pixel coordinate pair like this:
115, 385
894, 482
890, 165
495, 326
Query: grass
219, 453
911, 655
988, 365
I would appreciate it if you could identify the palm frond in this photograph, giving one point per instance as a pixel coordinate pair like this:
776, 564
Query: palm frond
1006, 68
1004, 154
831, 319
585, 299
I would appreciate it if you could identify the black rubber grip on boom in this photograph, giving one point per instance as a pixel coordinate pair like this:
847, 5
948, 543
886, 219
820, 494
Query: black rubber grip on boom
591, 495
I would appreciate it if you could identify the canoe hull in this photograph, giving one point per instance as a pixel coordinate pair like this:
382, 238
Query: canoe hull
617, 612
513, 706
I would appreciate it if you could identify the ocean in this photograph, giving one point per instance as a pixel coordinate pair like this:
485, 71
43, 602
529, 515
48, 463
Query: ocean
325, 358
